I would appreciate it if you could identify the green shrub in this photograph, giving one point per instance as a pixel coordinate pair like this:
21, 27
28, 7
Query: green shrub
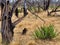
45, 32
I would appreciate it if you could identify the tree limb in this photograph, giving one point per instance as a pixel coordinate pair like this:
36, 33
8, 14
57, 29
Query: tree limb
14, 7
34, 13
54, 10
18, 21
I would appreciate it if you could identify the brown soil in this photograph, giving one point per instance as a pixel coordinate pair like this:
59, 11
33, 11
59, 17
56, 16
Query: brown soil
31, 23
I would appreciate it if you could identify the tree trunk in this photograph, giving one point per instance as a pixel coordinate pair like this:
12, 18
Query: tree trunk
38, 7
7, 30
46, 4
6, 26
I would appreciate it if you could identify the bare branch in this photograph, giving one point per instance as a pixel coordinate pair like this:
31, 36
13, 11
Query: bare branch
37, 16
14, 6
54, 10
18, 21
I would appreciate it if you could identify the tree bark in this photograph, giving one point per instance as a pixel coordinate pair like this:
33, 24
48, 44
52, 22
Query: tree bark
7, 30
46, 4
6, 26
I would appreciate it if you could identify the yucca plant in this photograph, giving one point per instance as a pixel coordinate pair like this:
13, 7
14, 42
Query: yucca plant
45, 32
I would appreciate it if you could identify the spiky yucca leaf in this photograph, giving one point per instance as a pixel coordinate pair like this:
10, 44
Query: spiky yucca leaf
45, 32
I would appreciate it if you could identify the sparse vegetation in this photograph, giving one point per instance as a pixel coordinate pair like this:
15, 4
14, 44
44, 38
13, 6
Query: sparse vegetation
18, 22
45, 32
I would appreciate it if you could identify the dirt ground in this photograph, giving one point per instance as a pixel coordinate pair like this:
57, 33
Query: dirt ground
31, 23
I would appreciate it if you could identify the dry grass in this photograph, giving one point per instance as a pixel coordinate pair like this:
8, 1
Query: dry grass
31, 22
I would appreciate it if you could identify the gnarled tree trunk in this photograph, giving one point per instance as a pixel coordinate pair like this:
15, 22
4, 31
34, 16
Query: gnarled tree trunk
7, 27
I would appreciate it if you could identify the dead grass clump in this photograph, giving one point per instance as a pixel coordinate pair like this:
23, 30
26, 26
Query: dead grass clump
31, 43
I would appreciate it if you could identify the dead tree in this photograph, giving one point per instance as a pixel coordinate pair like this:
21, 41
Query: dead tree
54, 10
25, 8
7, 26
46, 4
16, 12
